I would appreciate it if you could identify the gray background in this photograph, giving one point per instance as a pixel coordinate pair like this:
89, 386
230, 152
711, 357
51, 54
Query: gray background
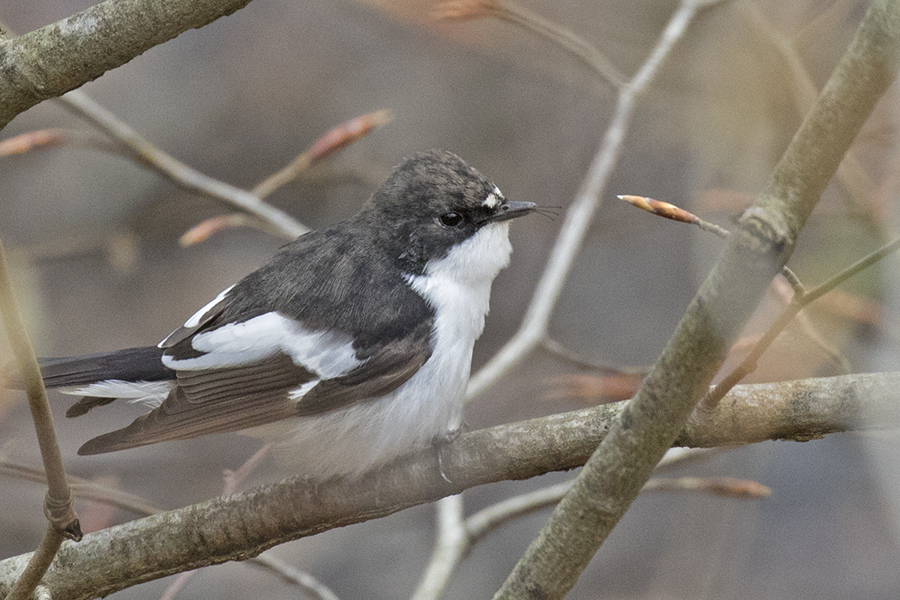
239, 98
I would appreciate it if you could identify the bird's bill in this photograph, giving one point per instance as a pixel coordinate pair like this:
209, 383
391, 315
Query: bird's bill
510, 210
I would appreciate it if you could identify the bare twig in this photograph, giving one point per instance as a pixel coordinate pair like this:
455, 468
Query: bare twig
451, 544
83, 488
233, 480
58, 502
338, 137
303, 580
728, 487
39, 65
508, 10
562, 352
188, 178
850, 173
460, 535
800, 301
676, 213
612, 478
581, 213
53, 138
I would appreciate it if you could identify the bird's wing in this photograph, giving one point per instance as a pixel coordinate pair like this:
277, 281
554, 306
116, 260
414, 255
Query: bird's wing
198, 320
300, 373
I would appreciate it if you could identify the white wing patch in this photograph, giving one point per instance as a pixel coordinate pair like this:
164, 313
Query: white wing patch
325, 353
151, 393
197, 317
301, 391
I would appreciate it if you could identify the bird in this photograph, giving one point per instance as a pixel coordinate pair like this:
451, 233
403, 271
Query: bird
350, 346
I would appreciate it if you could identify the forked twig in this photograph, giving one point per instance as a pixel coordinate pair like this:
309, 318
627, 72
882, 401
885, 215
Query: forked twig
801, 299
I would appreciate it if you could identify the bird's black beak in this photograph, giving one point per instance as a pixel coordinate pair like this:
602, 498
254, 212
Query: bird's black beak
510, 210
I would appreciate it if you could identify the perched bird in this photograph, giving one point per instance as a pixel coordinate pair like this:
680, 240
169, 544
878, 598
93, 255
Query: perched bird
350, 346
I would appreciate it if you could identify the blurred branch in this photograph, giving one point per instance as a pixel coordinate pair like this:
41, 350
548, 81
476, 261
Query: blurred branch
850, 173
568, 355
301, 579
54, 138
58, 501
84, 489
754, 254
726, 487
233, 480
800, 301
581, 213
37, 66
144, 153
249, 522
451, 544
337, 138
509, 11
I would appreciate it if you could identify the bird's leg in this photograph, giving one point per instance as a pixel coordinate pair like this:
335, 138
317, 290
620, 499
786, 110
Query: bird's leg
442, 442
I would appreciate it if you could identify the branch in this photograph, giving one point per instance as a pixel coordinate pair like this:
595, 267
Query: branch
768, 231
580, 214
58, 501
802, 298
146, 154
38, 65
243, 525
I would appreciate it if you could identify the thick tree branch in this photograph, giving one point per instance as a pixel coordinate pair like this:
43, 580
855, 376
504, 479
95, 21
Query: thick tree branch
646, 428
62, 56
243, 525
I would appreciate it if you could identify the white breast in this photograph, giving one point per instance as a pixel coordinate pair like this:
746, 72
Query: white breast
358, 438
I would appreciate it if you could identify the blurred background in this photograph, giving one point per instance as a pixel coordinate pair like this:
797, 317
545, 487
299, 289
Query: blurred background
94, 243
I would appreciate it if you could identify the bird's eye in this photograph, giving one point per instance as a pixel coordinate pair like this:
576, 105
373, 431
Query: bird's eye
451, 219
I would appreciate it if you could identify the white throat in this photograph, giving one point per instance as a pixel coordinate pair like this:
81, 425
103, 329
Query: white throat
458, 286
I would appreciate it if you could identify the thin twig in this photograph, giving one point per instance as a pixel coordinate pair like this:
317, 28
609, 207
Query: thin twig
509, 11
64, 522
338, 137
276, 221
303, 580
748, 365
233, 480
578, 217
564, 38
84, 489
850, 173
462, 535
565, 353
727, 487
451, 544
672, 212
53, 138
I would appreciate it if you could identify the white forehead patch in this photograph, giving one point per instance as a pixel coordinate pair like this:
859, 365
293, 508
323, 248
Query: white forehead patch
493, 199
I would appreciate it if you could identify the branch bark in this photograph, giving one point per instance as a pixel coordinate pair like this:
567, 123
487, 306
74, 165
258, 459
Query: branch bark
243, 525
62, 56
768, 231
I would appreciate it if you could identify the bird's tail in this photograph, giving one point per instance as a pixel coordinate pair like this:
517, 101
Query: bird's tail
131, 364
141, 366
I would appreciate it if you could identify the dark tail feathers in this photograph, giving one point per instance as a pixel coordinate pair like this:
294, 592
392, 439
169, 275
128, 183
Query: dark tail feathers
131, 364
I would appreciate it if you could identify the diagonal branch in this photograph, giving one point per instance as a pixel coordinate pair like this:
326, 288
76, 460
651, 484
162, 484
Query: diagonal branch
651, 421
580, 214
146, 154
37, 66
